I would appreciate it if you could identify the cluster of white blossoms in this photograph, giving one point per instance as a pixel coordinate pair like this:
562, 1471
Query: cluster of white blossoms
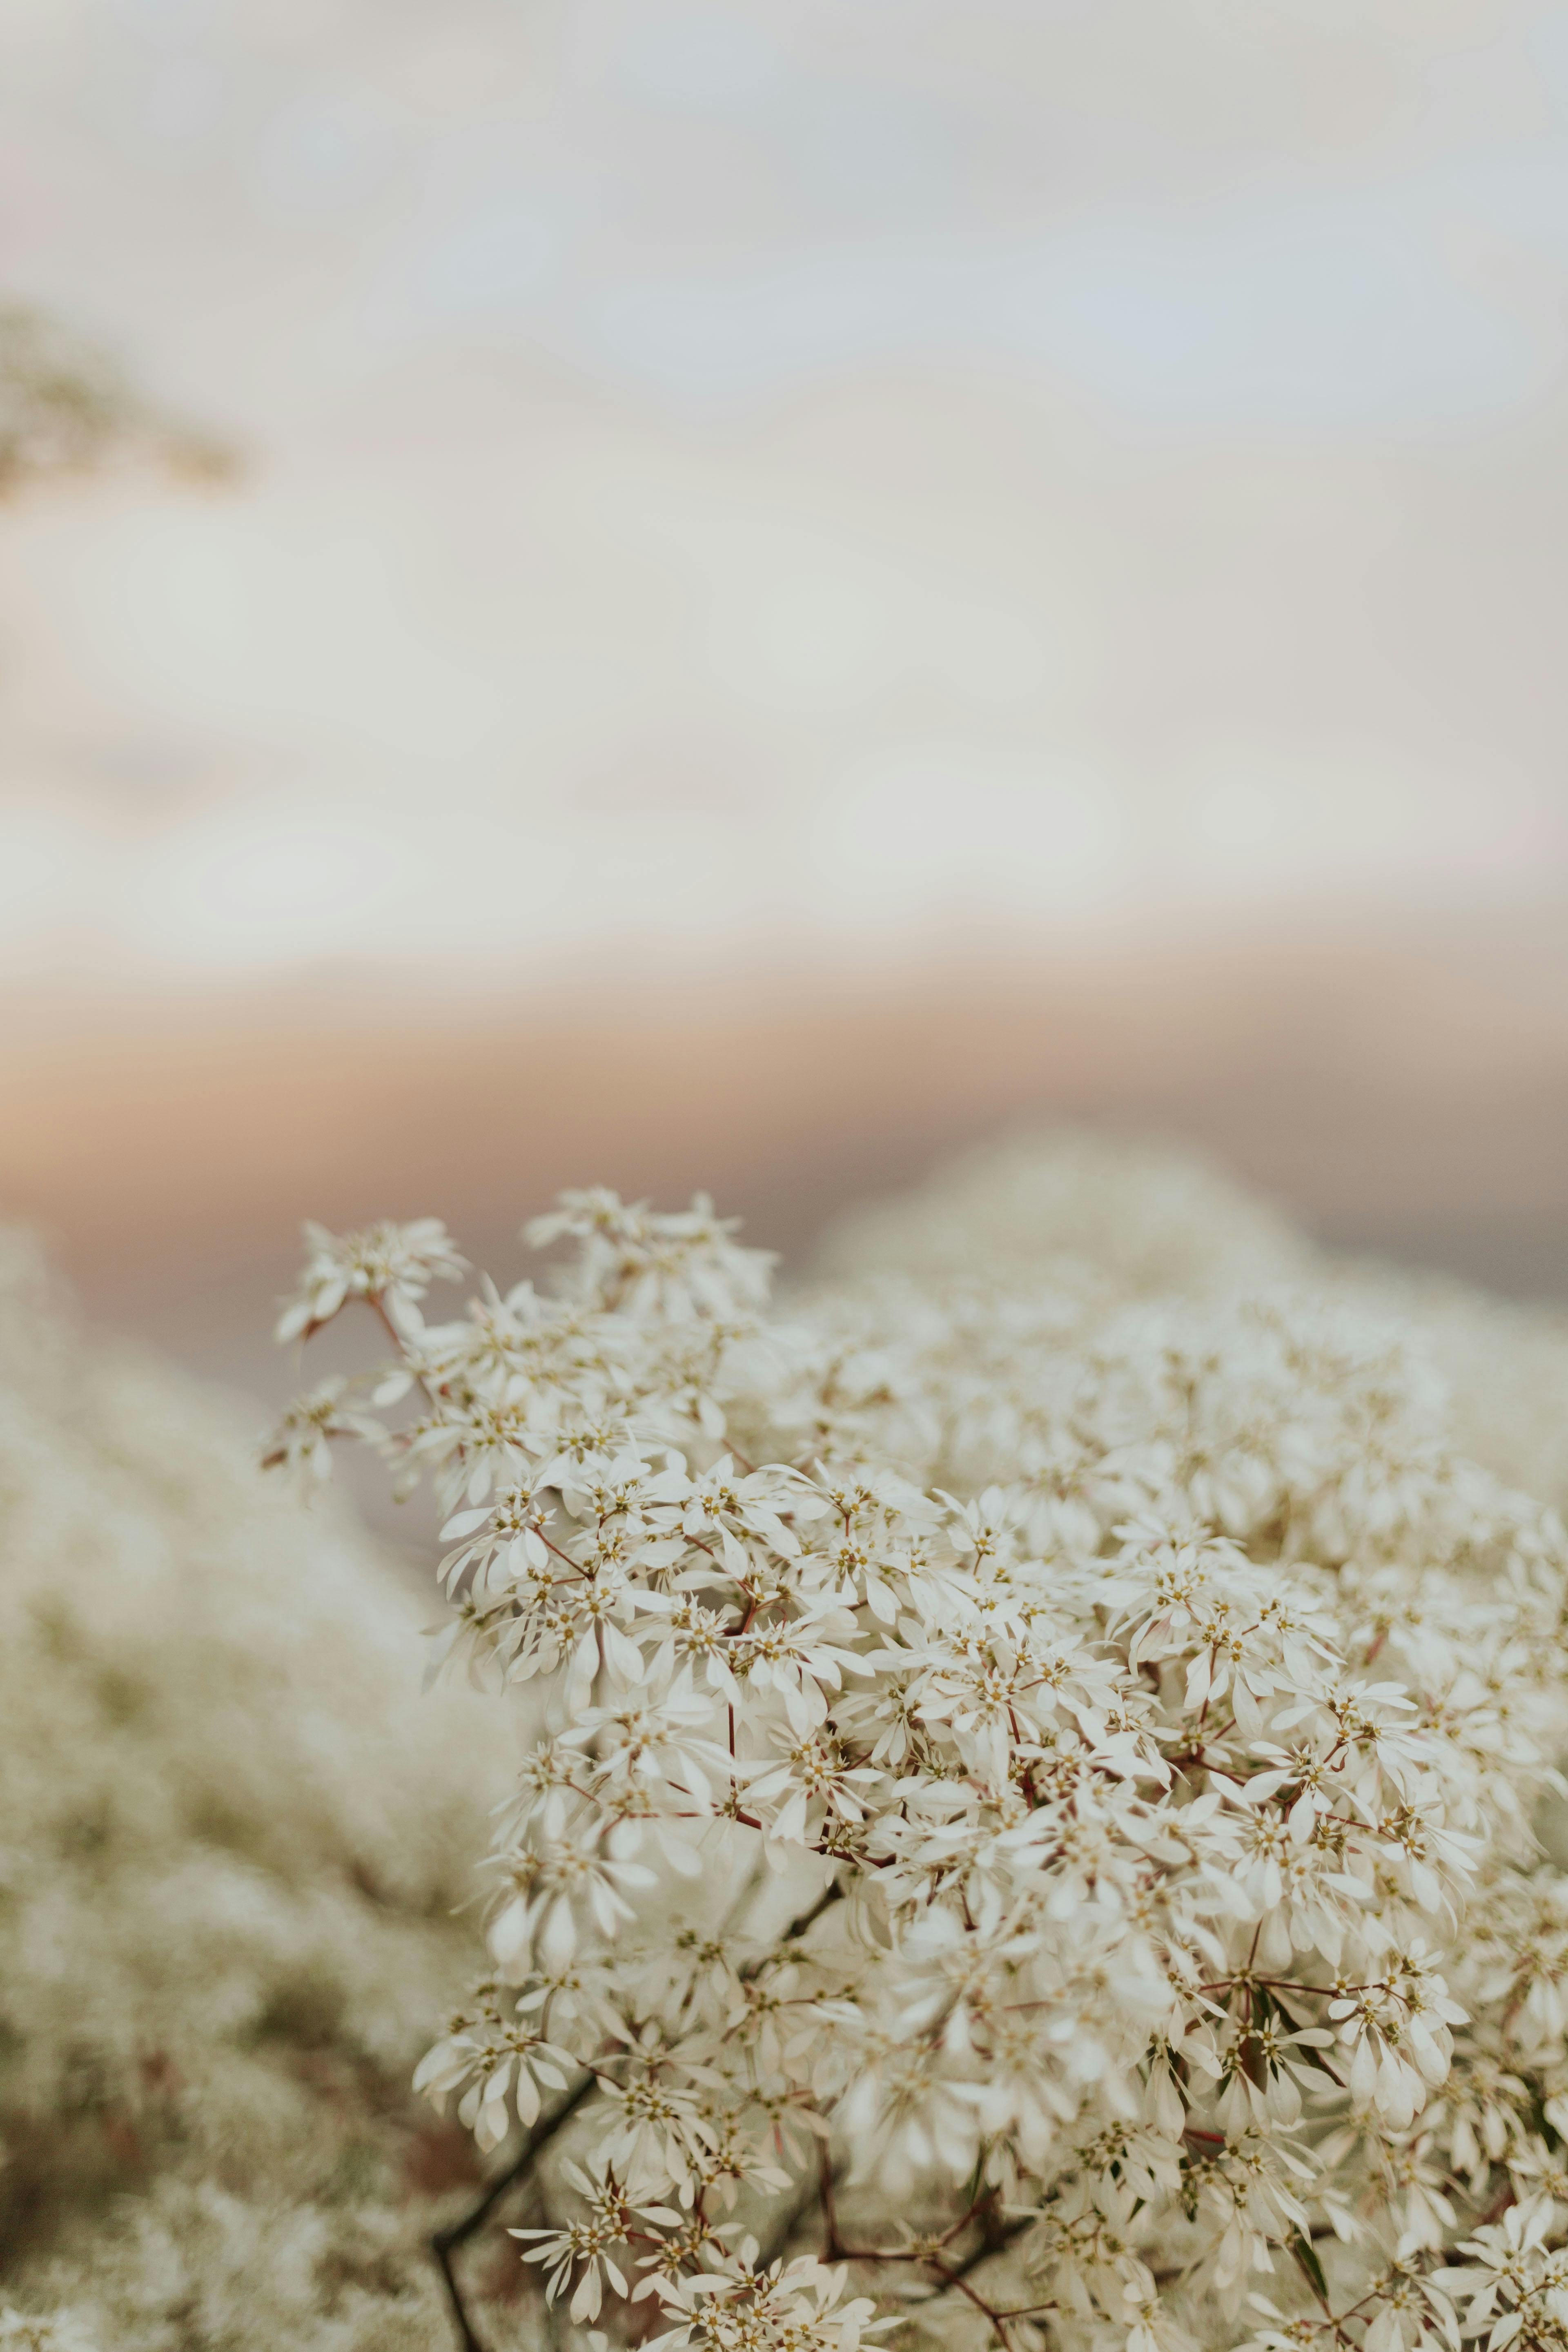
1028, 1834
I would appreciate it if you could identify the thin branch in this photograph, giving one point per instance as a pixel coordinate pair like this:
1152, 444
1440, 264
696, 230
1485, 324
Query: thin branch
831, 1894
954, 2276
993, 2242
809, 2194
445, 2243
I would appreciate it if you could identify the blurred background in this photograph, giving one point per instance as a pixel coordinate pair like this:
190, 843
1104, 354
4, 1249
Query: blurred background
800, 583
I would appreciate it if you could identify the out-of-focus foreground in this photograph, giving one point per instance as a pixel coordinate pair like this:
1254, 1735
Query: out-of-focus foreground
233, 1842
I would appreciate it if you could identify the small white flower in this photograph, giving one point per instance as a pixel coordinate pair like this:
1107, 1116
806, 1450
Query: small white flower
391, 1265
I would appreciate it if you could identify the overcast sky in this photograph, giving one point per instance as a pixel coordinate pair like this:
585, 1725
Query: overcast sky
815, 474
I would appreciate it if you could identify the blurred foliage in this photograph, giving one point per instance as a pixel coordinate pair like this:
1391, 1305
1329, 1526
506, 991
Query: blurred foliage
68, 408
233, 1846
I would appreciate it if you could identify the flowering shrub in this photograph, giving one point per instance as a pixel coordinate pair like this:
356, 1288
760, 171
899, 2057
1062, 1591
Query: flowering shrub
231, 1844
1028, 1836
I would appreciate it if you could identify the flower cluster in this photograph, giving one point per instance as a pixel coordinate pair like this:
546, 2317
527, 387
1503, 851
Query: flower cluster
1030, 1802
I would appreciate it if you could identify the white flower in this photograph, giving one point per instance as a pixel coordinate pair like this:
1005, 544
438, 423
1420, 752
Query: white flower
302, 1443
393, 1265
589, 2241
798, 2308
501, 2058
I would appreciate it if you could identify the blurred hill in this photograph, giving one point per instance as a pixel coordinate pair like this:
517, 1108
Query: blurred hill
1402, 1093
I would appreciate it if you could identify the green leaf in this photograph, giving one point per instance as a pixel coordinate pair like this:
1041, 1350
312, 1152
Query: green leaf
1310, 2267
